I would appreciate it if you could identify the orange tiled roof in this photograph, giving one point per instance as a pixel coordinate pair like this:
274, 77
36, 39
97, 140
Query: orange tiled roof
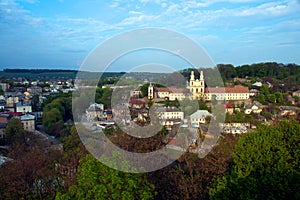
170, 90
236, 89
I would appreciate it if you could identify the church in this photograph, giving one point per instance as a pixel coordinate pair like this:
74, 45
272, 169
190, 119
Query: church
197, 90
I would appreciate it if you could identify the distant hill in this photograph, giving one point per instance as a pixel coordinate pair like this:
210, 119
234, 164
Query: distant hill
55, 74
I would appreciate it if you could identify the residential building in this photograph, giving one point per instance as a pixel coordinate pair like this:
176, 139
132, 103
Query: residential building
296, 93
2, 130
170, 113
229, 108
4, 87
28, 122
255, 107
23, 107
95, 112
199, 117
135, 93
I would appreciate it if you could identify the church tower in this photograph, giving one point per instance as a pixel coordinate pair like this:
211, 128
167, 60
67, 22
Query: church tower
197, 86
150, 91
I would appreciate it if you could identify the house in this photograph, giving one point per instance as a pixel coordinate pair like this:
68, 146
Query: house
235, 128
296, 94
4, 87
23, 107
2, 130
257, 84
135, 93
4, 117
288, 111
254, 92
199, 117
137, 103
229, 108
291, 100
2, 105
28, 122
108, 114
170, 113
94, 112
255, 107
34, 90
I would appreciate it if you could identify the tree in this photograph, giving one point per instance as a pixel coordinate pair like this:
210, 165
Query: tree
265, 165
97, 181
14, 131
30, 173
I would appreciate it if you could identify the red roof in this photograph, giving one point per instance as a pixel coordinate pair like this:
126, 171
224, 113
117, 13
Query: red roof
228, 106
170, 90
236, 89
14, 113
137, 102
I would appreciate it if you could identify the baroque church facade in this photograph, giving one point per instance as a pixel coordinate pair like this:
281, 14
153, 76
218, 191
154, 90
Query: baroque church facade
197, 90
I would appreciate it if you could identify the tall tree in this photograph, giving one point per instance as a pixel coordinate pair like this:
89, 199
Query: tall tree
97, 181
266, 165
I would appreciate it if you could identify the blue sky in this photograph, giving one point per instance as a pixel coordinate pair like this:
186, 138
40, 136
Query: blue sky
61, 33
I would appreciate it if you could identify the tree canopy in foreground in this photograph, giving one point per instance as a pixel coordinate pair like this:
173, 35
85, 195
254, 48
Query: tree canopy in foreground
265, 165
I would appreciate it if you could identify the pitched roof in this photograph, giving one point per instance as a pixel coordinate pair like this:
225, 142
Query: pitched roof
170, 90
27, 117
200, 114
236, 89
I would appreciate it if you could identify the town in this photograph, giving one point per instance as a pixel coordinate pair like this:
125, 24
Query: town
43, 109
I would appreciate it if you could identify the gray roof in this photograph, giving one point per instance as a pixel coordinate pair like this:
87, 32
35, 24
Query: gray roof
27, 117
200, 114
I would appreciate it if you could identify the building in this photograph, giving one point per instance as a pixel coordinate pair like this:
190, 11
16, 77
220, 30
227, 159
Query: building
170, 113
229, 108
23, 107
198, 90
170, 93
2, 130
137, 103
28, 122
135, 93
288, 111
4, 87
199, 117
296, 94
255, 107
34, 90
197, 86
94, 112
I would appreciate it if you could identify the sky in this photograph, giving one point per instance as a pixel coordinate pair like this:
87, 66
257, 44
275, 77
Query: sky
60, 34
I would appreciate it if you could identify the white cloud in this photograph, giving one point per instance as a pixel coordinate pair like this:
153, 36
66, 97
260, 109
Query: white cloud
137, 19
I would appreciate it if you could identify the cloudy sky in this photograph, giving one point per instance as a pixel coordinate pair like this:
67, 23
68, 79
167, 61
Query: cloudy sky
61, 33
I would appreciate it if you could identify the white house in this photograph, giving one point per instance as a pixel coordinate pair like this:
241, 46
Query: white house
255, 107
199, 117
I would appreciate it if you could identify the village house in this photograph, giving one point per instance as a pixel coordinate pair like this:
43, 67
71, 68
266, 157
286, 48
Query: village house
255, 107
137, 104
288, 111
198, 117
296, 93
2, 130
229, 109
135, 93
94, 112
